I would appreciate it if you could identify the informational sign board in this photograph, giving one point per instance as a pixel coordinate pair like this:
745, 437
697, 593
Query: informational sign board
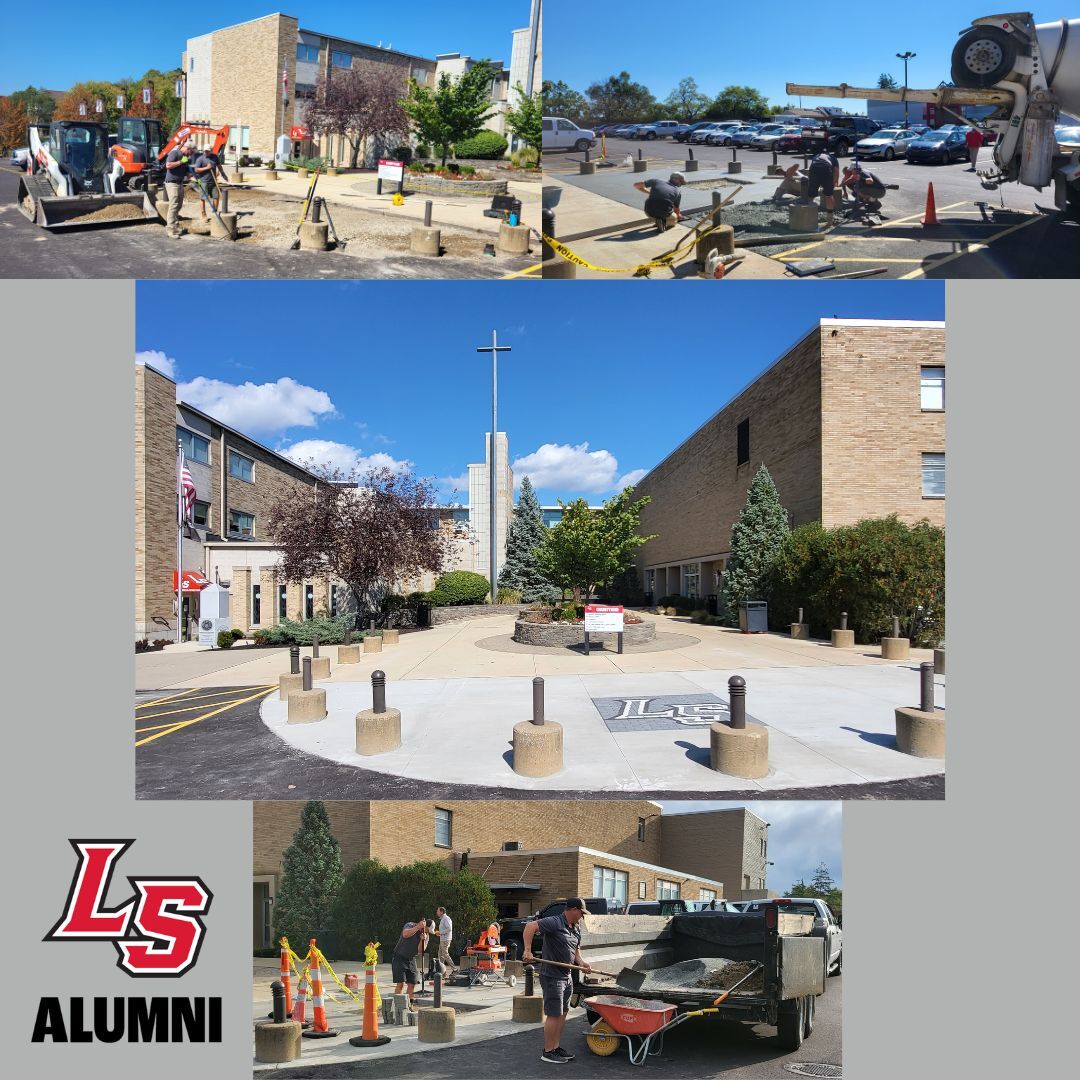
148, 95
213, 614
391, 170
603, 618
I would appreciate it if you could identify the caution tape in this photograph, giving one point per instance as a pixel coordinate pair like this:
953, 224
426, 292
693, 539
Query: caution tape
642, 269
356, 997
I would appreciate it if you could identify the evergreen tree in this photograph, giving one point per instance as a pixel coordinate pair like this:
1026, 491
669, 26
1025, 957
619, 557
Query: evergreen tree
755, 542
521, 568
311, 880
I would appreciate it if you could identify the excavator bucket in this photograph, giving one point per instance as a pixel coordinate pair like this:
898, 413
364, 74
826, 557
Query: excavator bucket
43, 207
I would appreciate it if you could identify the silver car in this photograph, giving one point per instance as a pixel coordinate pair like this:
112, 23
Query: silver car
768, 135
888, 143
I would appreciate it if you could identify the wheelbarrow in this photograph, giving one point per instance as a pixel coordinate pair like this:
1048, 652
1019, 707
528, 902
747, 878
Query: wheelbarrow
642, 1023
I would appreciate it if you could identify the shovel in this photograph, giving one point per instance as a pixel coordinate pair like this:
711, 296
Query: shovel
572, 967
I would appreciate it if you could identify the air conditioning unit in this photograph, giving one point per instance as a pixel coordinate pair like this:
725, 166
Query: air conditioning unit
511, 845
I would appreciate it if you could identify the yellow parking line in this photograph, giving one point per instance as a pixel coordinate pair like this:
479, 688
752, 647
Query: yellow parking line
206, 716
156, 727
912, 217
166, 700
200, 697
174, 712
523, 273
986, 243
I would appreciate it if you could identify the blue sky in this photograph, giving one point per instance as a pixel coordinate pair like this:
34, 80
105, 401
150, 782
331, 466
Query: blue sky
600, 386
746, 45
96, 46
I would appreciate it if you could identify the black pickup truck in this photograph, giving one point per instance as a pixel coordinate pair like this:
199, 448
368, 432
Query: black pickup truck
513, 930
838, 134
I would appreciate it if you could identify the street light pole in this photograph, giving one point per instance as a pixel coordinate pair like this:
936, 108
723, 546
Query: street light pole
494, 348
905, 56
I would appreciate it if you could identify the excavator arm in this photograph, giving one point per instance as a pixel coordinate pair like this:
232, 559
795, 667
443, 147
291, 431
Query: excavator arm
220, 138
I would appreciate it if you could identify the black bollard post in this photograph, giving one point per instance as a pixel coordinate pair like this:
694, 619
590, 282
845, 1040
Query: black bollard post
896, 626
547, 219
436, 984
690, 151
588, 156
511, 950
427, 214
639, 154
277, 989
734, 152
538, 701
294, 659
316, 209
774, 161
307, 673
315, 645
378, 691
586, 642
620, 640
926, 687
737, 701
843, 620
800, 616
348, 636
372, 623
530, 973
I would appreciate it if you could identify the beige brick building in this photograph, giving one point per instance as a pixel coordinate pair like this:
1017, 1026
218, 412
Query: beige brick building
533, 851
850, 423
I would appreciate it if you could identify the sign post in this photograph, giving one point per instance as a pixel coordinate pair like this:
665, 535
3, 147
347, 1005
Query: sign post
393, 171
604, 619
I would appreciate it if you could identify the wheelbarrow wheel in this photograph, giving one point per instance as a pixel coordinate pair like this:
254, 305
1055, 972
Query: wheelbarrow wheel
602, 1039
512, 981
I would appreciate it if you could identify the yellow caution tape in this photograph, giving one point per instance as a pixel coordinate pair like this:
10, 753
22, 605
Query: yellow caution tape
352, 993
658, 263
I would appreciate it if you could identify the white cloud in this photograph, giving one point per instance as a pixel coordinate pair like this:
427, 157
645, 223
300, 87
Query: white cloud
258, 408
339, 456
157, 359
557, 466
455, 488
631, 478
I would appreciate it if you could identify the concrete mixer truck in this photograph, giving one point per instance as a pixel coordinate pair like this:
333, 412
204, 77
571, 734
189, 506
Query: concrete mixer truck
1030, 74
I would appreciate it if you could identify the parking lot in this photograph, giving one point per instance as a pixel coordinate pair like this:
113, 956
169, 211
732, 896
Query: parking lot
1017, 233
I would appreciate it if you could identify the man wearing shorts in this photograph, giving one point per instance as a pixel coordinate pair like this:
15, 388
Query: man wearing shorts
562, 943
664, 198
207, 168
412, 942
824, 174
867, 188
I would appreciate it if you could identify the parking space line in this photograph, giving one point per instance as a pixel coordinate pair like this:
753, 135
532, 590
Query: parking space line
262, 692
913, 217
223, 692
957, 254
166, 700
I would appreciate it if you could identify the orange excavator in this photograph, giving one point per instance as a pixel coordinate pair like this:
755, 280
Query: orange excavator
139, 154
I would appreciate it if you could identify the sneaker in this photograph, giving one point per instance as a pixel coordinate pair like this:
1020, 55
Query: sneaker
553, 1057
564, 1054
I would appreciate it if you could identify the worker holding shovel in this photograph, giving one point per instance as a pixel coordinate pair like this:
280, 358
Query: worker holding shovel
562, 945
207, 168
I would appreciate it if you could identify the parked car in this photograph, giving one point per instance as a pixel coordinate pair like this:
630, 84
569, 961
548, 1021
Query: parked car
20, 157
701, 133
790, 142
694, 906
721, 136
513, 930
940, 147
625, 131
887, 143
686, 130
839, 135
560, 134
658, 129
766, 139
655, 907
825, 924
1067, 134
745, 135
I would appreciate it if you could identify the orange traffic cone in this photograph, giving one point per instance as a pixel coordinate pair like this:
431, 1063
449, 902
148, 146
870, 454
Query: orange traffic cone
370, 1035
320, 1029
285, 977
931, 209
300, 1007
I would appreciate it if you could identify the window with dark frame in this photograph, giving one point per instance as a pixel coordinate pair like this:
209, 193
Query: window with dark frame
742, 442
641, 828
444, 827
240, 467
256, 605
196, 448
241, 524
282, 601
200, 514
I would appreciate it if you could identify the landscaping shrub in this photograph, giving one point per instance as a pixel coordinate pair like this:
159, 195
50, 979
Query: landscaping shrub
225, 639
486, 144
528, 157
330, 631
238, 635
508, 596
459, 587
683, 605
423, 150
401, 153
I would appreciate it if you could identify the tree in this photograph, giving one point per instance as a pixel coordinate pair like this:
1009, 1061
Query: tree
738, 103
755, 541
524, 538
13, 123
360, 104
619, 98
456, 109
38, 104
886, 82
588, 548
370, 529
560, 100
822, 887
310, 881
164, 106
525, 120
686, 102
88, 94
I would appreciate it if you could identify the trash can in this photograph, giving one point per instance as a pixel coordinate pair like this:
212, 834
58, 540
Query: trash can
754, 617
649, 599
423, 613
711, 605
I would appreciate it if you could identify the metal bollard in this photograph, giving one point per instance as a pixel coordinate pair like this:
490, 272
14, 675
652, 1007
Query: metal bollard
315, 645
378, 691
896, 626
800, 615
734, 153
372, 623
538, 701
690, 151
737, 701
427, 214
307, 673
223, 201
348, 636
512, 950
316, 210
774, 161
843, 620
277, 989
588, 157
926, 688
530, 974
639, 154
436, 988
294, 659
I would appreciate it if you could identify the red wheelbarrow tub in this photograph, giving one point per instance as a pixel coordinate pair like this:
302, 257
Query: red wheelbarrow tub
632, 1016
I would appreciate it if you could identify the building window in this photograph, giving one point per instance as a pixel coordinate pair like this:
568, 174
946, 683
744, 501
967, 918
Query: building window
245, 138
256, 605
742, 442
444, 827
305, 92
642, 890
333, 601
933, 476
420, 75
241, 467
341, 59
309, 601
196, 448
667, 890
641, 828
691, 575
461, 517
308, 53
200, 514
610, 883
707, 894
282, 602
241, 524
932, 389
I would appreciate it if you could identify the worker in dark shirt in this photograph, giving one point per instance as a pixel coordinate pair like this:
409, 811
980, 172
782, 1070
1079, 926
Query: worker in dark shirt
207, 168
664, 197
824, 175
867, 188
562, 943
177, 167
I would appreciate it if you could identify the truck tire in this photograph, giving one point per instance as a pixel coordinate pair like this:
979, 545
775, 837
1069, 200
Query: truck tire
839, 964
790, 1021
808, 1019
982, 57
841, 148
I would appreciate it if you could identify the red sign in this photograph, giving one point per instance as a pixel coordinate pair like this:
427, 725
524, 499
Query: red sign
194, 581
299, 132
606, 609
604, 617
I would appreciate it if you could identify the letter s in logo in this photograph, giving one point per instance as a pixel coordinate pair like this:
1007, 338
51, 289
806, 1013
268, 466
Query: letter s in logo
168, 932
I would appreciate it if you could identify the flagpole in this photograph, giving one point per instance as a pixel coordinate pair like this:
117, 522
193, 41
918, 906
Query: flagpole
179, 541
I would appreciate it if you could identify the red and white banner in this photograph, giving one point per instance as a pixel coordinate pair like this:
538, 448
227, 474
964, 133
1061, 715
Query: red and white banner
194, 581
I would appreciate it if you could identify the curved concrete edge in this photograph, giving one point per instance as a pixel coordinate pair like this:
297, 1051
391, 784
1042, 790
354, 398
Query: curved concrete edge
377, 733
742, 752
538, 749
843, 639
895, 648
277, 1043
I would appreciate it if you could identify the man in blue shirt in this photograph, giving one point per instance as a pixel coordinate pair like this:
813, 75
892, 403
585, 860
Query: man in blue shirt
207, 168
177, 167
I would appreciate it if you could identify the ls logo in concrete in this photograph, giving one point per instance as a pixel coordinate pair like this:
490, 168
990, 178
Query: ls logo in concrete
663, 713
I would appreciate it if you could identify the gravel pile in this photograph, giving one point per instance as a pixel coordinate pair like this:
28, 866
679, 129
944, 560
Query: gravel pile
711, 973
114, 212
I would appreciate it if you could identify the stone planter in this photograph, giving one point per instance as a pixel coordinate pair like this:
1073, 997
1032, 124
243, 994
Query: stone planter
560, 635
427, 182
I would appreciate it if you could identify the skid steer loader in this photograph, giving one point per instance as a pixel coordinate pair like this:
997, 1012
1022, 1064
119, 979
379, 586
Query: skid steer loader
68, 184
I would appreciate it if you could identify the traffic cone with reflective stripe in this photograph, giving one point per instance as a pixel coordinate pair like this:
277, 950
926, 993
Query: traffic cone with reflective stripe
931, 209
300, 1007
285, 977
320, 1029
369, 1036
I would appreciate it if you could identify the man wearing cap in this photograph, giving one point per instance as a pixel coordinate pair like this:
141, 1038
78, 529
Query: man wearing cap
177, 167
867, 188
562, 944
411, 944
664, 197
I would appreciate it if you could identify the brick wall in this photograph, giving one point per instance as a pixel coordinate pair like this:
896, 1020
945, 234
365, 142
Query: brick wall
724, 845
689, 887
275, 823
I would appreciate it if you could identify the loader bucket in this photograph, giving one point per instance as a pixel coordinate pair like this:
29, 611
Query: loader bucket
70, 212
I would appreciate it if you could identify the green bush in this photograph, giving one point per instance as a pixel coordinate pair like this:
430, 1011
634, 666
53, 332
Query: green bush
423, 150
238, 635
330, 631
225, 639
684, 605
401, 153
459, 587
487, 144
508, 596
528, 157
568, 612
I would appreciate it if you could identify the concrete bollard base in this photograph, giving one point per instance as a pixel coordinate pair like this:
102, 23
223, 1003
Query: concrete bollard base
513, 239
774, 170
586, 168
436, 1025
920, 734
314, 236
740, 752
528, 1010
843, 639
895, 648
307, 706
690, 165
721, 240
640, 165
320, 668
800, 630
224, 229
348, 654
277, 1043
538, 749
372, 644
939, 661
288, 683
515, 968
391, 637
425, 241
802, 218
734, 166
559, 268
377, 733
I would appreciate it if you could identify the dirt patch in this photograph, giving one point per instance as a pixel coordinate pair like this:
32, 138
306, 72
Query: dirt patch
113, 212
712, 973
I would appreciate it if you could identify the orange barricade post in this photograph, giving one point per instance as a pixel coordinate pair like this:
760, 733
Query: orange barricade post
320, 1029
299, 1007
370, 1036
931, 208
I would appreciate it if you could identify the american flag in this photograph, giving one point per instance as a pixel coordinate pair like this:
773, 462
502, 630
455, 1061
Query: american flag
186, 493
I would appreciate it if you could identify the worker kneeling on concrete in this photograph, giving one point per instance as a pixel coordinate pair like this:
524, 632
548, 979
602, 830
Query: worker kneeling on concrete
562, 944
867, 188
664, 197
